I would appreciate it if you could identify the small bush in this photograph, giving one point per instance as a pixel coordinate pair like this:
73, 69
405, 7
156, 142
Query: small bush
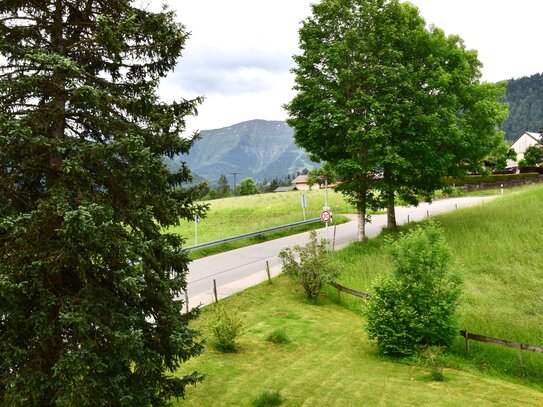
314, 267
225, 326
278, 336
434, 357
269, 398
415, 308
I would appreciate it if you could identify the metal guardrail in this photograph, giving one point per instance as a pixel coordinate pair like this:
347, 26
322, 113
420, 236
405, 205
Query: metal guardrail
252, 234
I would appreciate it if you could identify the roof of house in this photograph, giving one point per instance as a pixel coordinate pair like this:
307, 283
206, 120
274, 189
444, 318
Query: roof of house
300, 179
285, 189
535, 136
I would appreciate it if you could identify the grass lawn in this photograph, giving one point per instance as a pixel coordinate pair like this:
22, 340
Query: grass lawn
329, 362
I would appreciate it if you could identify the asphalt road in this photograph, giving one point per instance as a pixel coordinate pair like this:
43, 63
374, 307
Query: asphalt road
239, 269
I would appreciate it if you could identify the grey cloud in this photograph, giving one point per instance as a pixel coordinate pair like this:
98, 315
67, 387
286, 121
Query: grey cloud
226, 73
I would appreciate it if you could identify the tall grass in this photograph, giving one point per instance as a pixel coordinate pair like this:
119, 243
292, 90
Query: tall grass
499, 247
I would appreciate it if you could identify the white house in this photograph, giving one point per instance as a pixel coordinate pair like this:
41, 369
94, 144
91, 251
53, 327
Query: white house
520, 145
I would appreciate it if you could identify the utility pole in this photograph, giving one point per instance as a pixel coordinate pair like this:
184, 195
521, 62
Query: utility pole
235, 174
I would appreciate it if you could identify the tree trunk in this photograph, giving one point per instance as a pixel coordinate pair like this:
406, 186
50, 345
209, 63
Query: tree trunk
361, 208
389, 197
361, 235
391, 211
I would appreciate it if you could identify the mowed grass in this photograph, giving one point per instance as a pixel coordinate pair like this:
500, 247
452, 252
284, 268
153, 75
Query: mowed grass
499, 247
328, 361
244, 214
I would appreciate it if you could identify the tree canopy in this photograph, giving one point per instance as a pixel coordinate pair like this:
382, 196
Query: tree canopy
247, 186
394, 106
525, 98
89, 283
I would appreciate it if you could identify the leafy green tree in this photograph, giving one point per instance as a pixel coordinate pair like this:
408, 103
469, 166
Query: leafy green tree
533, 155
319, 175
90, 313
393, 105
497, 159
247, 186
415, 307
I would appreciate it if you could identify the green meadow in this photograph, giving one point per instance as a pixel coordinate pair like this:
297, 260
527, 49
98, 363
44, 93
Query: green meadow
330, 362
238, 215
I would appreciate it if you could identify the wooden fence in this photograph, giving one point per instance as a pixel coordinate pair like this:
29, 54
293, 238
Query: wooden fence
349, 290
501, 342
464, 332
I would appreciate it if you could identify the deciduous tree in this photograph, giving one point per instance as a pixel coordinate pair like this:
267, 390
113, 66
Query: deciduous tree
393, 105
89, 283
533, 155
247, 186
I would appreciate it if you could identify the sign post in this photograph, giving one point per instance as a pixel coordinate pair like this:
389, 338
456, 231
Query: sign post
304, 204
196, 221
326, 207
326, 216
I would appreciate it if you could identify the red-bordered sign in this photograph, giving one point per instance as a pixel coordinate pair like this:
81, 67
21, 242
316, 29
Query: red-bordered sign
326, 216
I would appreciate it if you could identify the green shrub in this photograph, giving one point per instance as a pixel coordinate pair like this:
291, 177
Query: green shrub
225, 326
415, 308
434, 359
269, 398
278, 336
314, 267
491, 178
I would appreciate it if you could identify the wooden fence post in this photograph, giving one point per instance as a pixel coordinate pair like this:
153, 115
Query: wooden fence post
466, 335
215, 290
268, 271
334, 240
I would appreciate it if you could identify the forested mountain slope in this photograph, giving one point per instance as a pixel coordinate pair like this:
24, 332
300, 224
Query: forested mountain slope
525, 98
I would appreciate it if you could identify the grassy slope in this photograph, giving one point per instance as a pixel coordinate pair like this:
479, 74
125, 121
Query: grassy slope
329, 362
234, 216
499, 248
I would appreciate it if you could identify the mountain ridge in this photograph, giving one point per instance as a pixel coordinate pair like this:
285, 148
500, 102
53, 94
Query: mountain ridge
258, 149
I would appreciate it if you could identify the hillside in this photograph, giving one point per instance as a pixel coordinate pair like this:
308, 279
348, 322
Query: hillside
258, 149
525, 98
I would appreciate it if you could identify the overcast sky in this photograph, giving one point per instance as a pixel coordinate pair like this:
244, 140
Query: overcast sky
240, 51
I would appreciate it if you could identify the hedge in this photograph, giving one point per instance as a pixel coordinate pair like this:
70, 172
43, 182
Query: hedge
491, 178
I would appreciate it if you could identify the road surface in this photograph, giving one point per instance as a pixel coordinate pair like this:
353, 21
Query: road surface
239, 269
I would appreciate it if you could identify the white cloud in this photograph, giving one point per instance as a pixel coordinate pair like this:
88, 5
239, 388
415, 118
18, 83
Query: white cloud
239, 53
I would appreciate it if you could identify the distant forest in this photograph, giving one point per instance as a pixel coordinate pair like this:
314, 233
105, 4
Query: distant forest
525, 98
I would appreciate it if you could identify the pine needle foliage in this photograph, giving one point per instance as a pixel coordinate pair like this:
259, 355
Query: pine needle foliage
89, 284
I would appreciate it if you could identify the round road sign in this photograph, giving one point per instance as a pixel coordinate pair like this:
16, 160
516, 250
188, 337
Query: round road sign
326, 216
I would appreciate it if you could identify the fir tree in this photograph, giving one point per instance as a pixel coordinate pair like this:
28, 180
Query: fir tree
89, 313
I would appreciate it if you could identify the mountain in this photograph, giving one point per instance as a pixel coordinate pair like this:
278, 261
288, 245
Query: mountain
525, 98
256, 149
